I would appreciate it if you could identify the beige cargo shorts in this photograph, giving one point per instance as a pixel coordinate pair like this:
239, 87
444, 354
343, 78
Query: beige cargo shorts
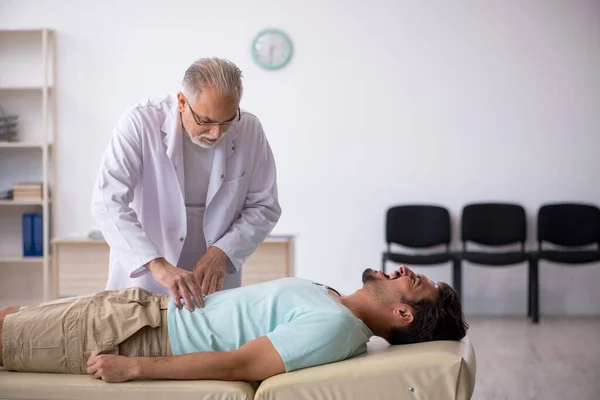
60, 336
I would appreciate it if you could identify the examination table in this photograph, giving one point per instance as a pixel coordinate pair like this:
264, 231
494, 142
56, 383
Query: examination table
435, 370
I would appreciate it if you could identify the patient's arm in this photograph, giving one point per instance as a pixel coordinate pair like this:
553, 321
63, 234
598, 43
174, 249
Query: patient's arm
256, 360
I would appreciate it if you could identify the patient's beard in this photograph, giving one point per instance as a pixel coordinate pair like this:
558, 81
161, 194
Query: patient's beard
374, 286
368, 275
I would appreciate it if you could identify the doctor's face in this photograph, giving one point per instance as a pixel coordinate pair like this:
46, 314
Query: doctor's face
207, 118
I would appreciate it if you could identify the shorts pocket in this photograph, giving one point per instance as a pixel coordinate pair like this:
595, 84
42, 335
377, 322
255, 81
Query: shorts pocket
47, 355
117, 315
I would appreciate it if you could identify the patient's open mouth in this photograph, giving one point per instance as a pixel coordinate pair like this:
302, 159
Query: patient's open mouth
392, 276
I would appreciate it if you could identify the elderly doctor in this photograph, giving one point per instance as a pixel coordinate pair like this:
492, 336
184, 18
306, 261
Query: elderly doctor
187, 188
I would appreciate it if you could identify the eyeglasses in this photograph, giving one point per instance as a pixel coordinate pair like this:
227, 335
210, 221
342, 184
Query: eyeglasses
198, 119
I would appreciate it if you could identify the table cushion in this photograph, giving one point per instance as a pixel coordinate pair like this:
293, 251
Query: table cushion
24, 385
434, 370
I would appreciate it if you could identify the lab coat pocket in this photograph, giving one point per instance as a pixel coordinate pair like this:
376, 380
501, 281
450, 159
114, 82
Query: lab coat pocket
230, 179
234, 192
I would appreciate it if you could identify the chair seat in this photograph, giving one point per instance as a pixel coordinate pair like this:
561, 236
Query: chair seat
496, 259
420, 259
569, 257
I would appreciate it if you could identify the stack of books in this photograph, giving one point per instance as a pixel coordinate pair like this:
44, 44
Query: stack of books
27, 192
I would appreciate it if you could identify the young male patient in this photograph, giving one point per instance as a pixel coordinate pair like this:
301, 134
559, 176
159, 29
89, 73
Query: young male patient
249, 333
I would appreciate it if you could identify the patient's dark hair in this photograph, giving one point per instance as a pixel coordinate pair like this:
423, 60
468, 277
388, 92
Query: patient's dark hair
442, 319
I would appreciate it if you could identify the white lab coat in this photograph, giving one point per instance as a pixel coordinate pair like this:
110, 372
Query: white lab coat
138, 198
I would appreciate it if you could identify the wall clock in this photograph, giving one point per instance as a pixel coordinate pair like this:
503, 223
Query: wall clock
272, 49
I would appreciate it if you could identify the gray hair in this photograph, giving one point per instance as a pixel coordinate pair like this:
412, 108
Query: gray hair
217, 73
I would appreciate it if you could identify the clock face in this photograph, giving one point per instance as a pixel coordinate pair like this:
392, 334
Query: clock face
272, 49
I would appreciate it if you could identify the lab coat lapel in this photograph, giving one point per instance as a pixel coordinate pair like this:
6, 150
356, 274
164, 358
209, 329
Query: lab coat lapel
173, 141
224, 149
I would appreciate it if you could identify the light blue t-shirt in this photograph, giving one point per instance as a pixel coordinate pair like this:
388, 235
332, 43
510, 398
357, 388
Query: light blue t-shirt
306, 325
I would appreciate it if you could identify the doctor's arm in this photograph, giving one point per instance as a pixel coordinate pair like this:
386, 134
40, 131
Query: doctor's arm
119, 173
260, 212
255, 360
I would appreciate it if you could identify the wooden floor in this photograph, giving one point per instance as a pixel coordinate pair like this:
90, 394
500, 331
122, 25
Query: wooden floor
557, 359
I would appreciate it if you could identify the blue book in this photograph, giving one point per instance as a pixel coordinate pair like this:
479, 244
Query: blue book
38, 235
27, 235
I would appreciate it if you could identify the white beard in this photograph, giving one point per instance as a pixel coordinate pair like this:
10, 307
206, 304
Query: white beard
197, 140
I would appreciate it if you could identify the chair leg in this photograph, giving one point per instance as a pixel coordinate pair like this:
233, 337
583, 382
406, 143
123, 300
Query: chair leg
457, 277
535, 317
529, 290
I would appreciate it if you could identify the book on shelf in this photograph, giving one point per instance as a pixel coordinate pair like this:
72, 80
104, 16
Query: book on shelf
33, 235
28, 186
21, 197
27, 198
38, 235
27, 235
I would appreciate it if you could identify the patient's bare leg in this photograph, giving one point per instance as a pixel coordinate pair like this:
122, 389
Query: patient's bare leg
3, 313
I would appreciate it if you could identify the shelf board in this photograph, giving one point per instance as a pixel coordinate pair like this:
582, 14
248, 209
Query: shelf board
21, 260
22, 202
24, 87
25, 30
23, 145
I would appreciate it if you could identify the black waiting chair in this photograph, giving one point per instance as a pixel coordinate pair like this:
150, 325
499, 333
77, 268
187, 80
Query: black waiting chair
495, 225
567, 225
420, 227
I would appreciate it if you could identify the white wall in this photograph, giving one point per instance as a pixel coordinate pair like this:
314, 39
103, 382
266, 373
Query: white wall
392, 102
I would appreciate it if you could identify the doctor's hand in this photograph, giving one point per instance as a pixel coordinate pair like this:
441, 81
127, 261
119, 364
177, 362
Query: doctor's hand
181, 283
209, 271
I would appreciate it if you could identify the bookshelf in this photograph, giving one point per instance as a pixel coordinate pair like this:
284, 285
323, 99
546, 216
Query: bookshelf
27, 77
